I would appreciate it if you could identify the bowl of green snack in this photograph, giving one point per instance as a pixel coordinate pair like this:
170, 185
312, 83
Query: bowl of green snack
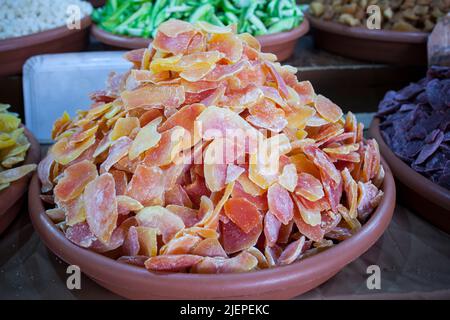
131, 24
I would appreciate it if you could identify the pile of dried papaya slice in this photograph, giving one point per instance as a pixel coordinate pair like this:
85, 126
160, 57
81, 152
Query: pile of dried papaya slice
208, 156
13, 148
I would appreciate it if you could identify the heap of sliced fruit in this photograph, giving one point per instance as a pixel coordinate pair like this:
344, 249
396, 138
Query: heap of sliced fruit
13, 148
208, 157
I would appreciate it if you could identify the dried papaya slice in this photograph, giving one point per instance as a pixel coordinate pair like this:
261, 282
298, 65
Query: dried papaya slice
209, 247
146, 138
309, 187
101, 206
271, 229
162, 219
181, 245
118, 150
243, 213
172, 262
327, 109
235, 240
188, 215
280, 203
147, 185
243, 262
151, 96
17, 173
228, 44
123, 127
292, 252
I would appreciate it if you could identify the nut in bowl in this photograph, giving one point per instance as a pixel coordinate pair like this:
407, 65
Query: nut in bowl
210, 159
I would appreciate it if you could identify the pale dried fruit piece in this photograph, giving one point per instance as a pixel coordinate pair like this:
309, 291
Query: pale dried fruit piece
235, 240
351, 192
44, 171
272, 254
188, 215
131, 246
211, 218
327, 109
181, 245
314, 233
14, 174
271, 229
151, 96
309, 187
243, 262
65, 152
75, 210
146, 138
177, 196
281, 85
57, 215
123, 127
117, 238
171, 143
233, 173
184, 117
81, 235
117, 151
218, 154
249, 187
280, 203
289, 178
260, 200
367, 193
121, 179
243, 213
101, 206
162, 219
311, 216
267, 116
228, 44
173, 262
147, 241
210, 247
147, 185
125, 204
292, 252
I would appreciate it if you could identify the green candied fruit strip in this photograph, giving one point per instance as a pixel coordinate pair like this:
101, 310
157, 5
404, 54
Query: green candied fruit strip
282, 25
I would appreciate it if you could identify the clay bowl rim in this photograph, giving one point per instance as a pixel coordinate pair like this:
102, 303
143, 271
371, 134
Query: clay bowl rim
102, 268
121, 41
42, 37
403, 172
17, 189
366, 34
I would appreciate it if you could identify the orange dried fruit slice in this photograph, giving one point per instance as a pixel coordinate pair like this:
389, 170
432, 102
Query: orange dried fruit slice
101, 206
74, 180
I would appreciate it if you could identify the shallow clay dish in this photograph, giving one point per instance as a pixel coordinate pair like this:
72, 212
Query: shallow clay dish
282, 44
15, 51
12, 198
418, 193
385, 46
276, 283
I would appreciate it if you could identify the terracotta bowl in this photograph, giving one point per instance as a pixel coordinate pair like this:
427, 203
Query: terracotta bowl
97, 3
385, 46
12, 198
282, 44
417, 192
15, 51
276, 283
